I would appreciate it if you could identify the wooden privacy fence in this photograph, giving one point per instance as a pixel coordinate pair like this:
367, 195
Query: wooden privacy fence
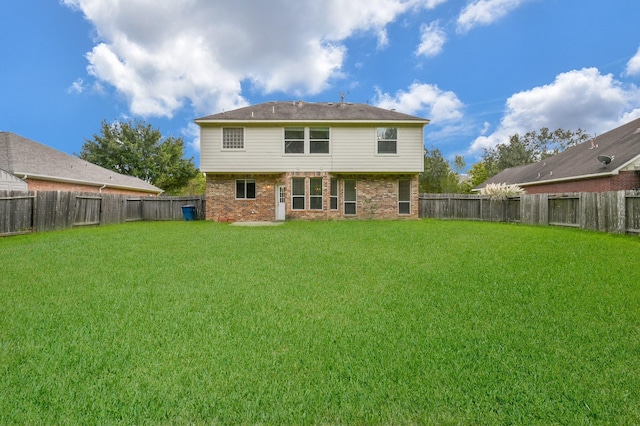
615, 212
24, 212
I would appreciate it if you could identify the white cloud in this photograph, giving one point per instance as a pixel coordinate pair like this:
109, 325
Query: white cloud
162, 55
576, 99
191, 134
633, 66
424, 99
432, 39
76, 87
484, 12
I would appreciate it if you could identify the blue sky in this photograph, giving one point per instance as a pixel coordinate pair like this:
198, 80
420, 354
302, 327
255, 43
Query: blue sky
481, 70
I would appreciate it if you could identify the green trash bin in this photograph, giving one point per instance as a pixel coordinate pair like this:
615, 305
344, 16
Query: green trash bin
189, 212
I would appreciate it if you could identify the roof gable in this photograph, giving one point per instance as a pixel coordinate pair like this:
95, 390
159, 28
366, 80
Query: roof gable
315, 111
24, 157
622, 144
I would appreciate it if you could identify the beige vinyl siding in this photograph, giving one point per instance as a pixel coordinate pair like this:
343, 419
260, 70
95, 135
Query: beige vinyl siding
353, 149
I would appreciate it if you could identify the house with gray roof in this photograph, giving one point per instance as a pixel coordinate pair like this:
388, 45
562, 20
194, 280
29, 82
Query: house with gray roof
609, 162
301, 160
46, 169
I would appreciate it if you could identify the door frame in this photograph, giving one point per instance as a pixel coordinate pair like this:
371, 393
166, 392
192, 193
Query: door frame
281, 211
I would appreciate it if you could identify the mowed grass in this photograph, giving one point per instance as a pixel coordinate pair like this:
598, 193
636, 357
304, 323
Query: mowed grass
425, 322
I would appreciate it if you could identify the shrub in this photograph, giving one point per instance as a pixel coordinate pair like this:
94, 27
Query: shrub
501, 191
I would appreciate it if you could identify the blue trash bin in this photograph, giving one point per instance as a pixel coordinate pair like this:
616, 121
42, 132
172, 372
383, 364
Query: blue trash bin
189, 212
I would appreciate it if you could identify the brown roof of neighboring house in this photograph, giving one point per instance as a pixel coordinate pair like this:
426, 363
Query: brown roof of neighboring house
311, 111
621, 145
26, 158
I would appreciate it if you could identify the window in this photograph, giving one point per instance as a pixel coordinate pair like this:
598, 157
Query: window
245, 189
404, 196
294, 140
387, 140
297, 193
306, 140
334, 194
233, 138
315, 193
349, 196
319, 140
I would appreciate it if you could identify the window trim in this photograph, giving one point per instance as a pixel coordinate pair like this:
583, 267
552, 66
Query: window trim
345, 201
285, 139
334, 197
315, 197
404, 202
307, 141
302, 196
246, 181
378, 140
222, 141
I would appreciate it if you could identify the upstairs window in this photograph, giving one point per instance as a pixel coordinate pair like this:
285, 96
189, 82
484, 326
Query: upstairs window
232, 138
294, 140
387, 140
307, 140
319, 140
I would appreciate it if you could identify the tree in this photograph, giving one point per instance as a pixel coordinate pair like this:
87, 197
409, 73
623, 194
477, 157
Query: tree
136, 149
437, 176
530, 148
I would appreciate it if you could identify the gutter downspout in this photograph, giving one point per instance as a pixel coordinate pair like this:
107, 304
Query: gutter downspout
102, 187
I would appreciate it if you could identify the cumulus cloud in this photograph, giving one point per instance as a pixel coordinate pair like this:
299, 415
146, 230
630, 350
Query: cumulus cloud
576, 99
424, 99
163, 55
484, 12
432, 40
633, 66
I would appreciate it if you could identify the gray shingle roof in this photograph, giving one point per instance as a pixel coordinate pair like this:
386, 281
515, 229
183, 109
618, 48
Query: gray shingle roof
580, 161
311, 111
21, 156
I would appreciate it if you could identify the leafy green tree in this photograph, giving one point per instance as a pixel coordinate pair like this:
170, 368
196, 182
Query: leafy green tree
134, 148
195, 186
437, 176
532, 147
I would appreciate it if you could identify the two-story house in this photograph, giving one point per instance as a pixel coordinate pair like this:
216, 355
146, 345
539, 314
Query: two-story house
297, 160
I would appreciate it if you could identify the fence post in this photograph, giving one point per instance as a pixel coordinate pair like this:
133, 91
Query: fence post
621, 225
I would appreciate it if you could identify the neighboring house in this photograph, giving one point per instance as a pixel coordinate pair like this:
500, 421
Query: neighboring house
9, 182
609, 162
47, 169
281, 160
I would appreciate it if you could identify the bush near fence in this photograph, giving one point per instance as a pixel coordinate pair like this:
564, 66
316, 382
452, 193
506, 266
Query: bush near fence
615, 212
24, 212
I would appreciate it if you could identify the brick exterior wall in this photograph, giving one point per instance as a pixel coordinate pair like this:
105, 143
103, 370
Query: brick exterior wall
377, 197
47, 185
619, 182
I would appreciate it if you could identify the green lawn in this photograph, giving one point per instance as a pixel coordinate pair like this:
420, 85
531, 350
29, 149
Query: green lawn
422, 322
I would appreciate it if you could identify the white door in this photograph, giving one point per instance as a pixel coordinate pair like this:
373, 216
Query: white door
280, 210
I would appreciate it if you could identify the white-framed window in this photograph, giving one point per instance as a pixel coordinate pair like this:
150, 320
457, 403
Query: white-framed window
298, 194
294, 140
307, 140
404, 196
245, 189
232, 138
334, 194
318, 140
316, 199
350, 197
387, 140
